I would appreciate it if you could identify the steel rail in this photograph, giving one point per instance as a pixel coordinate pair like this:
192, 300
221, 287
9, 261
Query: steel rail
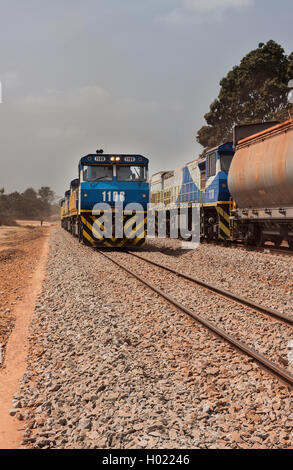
236, 298
266, 249
265, 363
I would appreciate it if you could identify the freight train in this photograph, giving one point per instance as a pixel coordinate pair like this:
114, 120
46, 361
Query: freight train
111, 191
244, 188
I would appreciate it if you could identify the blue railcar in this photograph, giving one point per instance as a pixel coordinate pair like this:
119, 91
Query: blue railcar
202, 181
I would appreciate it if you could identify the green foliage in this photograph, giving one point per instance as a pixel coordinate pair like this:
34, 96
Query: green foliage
30, 204
46, 194
254, 91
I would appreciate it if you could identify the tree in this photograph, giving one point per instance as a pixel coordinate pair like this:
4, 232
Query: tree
30, 194
254, 91
30, 204
46, 194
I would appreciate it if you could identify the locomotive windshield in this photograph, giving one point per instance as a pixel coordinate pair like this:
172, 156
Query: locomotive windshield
131, 173
97, 173
226, 160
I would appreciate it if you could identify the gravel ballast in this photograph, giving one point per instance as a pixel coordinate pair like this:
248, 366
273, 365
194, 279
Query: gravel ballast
266, 278
268, 336
112, 365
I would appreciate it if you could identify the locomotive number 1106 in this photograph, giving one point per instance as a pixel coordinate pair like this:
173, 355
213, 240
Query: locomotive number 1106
113, 196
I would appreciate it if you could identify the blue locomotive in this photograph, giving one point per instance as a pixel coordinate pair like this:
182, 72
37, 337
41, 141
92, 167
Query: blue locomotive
107, 204
202, 181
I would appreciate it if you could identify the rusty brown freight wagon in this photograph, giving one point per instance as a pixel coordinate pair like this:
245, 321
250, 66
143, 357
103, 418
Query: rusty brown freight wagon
261, 182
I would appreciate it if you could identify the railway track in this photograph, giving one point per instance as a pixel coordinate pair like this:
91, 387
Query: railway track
259, 249
278, 251
242, 300
274, 369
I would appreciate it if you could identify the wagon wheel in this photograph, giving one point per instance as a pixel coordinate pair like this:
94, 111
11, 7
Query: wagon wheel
80, 236
278, 242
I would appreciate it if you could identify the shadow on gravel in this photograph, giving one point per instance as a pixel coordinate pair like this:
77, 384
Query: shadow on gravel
167, 251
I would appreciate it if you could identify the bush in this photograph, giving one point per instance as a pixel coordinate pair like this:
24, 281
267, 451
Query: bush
6, 220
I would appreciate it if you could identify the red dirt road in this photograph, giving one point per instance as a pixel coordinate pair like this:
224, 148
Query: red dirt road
22, 270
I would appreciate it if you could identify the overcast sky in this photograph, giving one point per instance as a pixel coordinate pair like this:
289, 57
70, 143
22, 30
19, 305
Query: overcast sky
128, 76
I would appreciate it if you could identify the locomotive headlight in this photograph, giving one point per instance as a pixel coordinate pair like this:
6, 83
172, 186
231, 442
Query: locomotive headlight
85, 195
144, 196
112, 159
117, 159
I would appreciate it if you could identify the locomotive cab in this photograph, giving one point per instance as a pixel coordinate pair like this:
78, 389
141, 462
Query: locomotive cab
113, 179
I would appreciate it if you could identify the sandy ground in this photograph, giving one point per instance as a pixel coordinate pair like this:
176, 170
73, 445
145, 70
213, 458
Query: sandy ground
26, 231
23, 252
